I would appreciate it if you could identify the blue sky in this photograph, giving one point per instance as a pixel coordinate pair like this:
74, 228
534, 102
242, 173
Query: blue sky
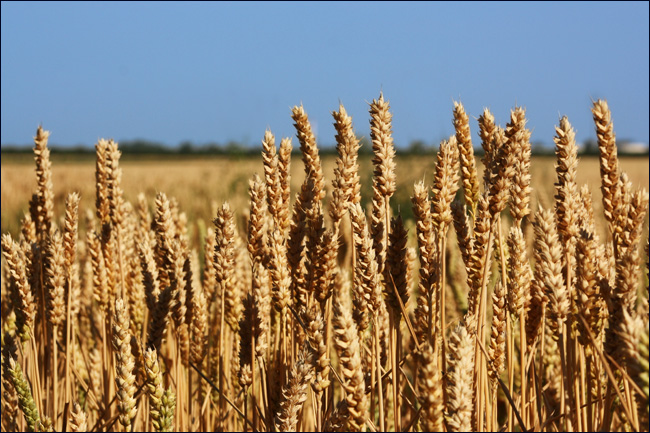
215, 72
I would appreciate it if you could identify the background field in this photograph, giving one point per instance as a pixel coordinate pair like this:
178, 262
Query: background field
200, 184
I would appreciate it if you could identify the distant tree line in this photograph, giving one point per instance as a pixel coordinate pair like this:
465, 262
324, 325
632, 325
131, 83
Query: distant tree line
234, 148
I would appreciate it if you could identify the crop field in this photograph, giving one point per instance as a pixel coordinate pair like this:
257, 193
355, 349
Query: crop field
201, 184
295, 292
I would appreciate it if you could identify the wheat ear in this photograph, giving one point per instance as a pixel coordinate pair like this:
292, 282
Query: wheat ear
272, 177
519, 143
124, 366
25, 399
346, 339
45, 194
383, 181
608, 158
20, 290
284, 165
294, 394
460, 381
310, 156
78, 421
467, 161
161, 403
430, 390
257, 220
346, 182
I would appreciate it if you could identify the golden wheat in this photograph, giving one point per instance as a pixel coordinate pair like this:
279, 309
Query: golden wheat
282, 316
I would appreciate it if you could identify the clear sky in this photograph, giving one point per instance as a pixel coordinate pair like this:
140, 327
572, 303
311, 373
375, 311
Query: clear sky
215, 72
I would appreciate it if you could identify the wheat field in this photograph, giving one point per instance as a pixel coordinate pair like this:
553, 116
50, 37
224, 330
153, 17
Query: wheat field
441, 293
199, 185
